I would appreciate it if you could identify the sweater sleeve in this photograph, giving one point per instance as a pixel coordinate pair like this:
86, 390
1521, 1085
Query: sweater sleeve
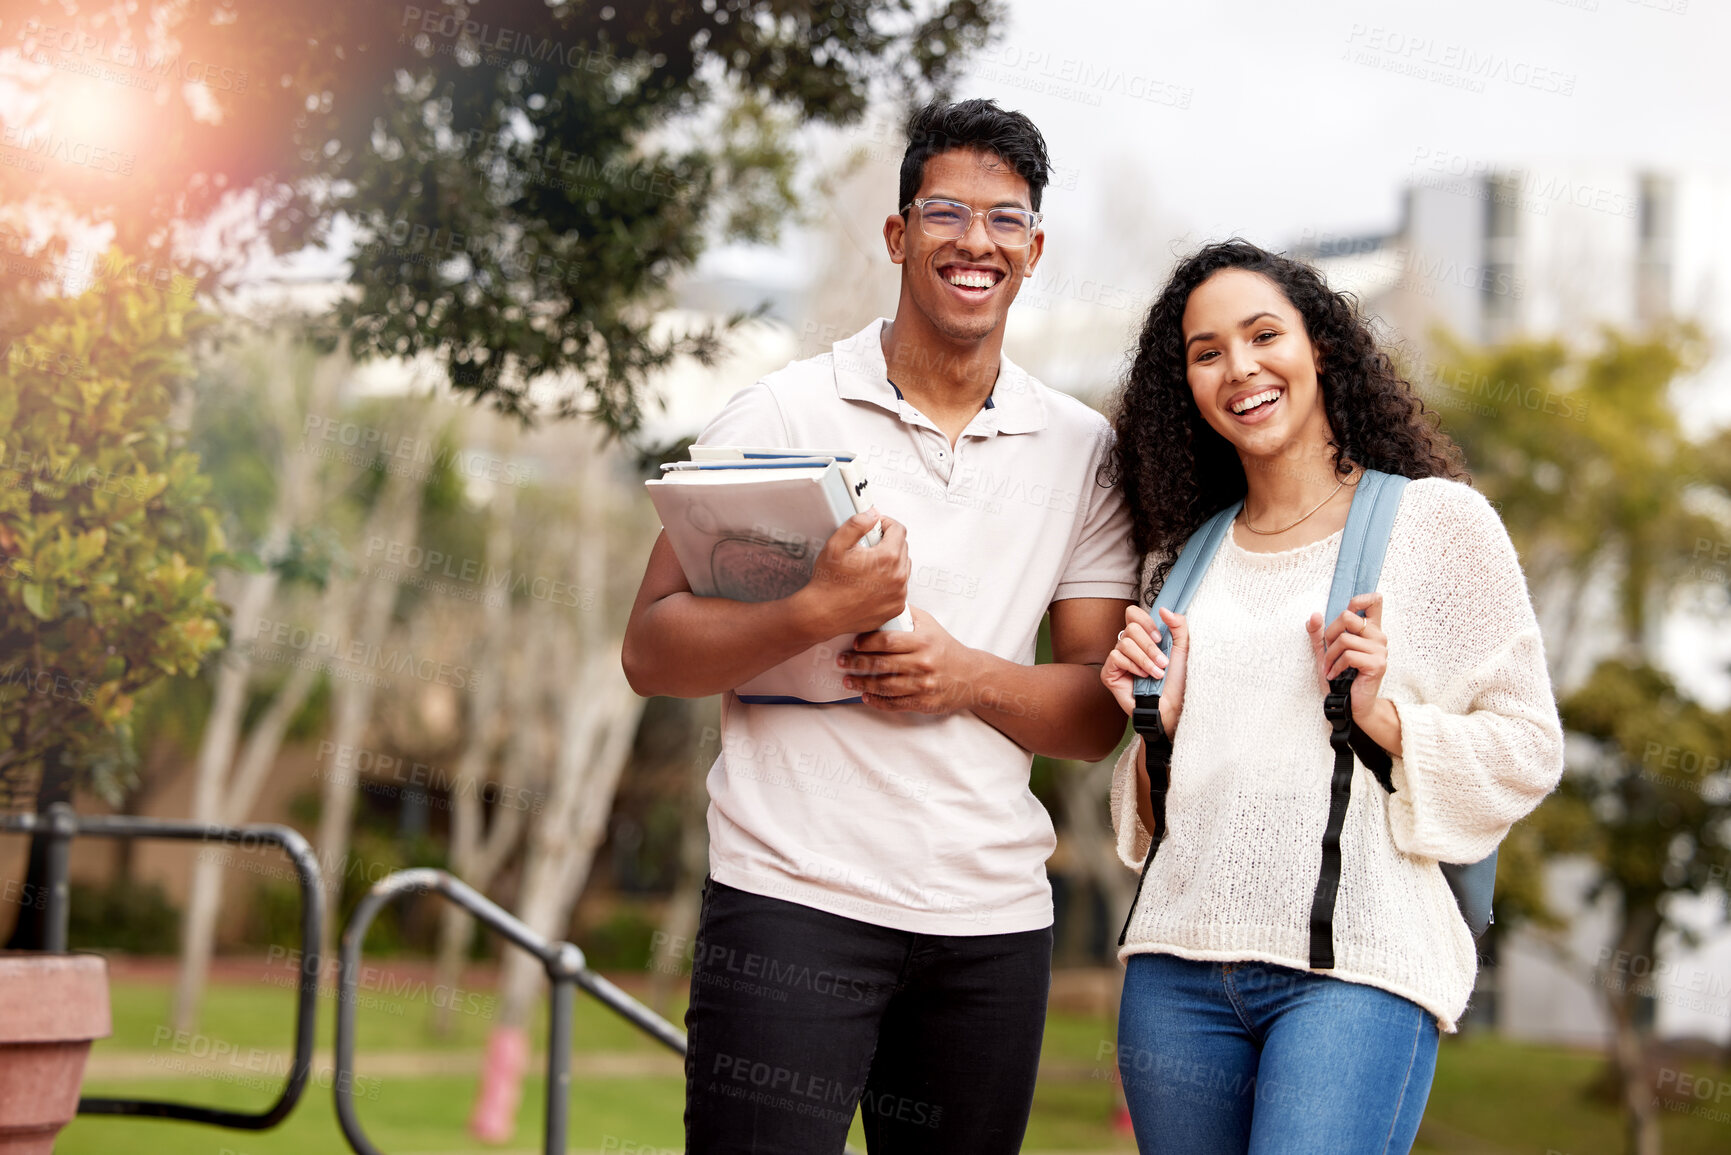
1481, 741
1133, 837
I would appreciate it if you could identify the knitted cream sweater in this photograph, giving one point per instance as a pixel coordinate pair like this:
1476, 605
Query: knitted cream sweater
1251, 761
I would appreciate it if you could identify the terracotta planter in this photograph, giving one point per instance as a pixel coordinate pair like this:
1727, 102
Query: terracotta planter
51, 1007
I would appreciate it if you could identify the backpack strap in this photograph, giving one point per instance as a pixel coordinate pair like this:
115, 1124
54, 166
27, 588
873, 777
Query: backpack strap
1363, 543
1175, 594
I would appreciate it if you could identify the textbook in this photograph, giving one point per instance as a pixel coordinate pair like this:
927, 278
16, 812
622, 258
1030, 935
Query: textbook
859, 489
748, 524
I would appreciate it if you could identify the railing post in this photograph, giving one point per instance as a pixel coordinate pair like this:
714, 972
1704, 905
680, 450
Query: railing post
56, 917
563, 966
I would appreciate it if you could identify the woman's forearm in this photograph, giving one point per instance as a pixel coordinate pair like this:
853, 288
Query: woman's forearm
1381, 724
1144, 790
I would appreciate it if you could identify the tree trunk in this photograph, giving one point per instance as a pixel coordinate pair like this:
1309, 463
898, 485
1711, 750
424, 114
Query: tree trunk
598, 715
288, 398
1637, 939
525, 771
232, 808
159, 763
30, 932
216, 747
601, 723
475, 857
395, 518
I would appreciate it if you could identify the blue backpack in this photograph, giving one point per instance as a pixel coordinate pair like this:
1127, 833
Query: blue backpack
1362, 545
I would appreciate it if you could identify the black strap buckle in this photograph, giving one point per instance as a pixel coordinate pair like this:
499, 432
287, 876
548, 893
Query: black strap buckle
1145, 718
1157, 750
1337, 706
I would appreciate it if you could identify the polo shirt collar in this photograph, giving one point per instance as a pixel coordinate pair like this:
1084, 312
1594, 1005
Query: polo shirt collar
1015, 405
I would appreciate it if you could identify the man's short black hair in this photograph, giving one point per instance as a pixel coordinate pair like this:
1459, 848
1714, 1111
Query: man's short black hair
978, 124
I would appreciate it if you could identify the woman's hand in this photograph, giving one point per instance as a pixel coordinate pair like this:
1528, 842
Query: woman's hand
1138, 655
1355, 641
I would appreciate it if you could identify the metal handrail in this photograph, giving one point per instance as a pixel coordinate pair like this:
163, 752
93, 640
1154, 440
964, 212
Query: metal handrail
563, 961
61, 825
565, 971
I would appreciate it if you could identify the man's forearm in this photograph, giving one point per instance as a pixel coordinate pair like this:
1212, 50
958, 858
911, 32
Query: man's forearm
685, 646
1058, 709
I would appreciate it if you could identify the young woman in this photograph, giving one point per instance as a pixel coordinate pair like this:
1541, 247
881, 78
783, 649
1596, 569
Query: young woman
1252, 380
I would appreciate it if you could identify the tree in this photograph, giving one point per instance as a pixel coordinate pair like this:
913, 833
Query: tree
305, 512
1652, 811
517, 182
587, 700
522, 177
477, 854
106, 537
1584, 457
1608, 499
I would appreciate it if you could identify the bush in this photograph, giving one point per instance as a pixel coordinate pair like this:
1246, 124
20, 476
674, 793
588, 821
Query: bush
127, 916
622, 943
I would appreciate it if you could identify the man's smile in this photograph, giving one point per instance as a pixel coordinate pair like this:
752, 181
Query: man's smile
971, 280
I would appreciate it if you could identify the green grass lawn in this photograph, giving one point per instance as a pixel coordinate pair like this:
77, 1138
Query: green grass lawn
389, 1017
1490, 1096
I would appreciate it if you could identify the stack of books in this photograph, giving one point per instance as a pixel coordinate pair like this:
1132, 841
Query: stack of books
748, 524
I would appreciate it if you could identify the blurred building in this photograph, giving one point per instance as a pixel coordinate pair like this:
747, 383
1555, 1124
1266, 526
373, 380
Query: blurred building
1497, 253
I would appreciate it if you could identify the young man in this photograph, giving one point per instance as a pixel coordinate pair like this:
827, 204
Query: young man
876, 929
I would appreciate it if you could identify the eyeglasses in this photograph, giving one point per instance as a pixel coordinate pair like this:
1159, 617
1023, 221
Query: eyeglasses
950, 221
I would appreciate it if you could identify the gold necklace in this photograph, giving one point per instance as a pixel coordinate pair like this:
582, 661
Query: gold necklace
1244, 515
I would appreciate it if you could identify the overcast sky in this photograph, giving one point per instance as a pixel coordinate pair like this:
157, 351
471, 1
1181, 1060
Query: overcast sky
1314, 113
1269, 117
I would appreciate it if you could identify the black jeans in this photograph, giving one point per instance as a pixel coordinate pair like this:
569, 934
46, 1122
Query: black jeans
798, 1017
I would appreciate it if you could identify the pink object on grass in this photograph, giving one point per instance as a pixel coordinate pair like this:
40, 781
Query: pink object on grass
495, 1116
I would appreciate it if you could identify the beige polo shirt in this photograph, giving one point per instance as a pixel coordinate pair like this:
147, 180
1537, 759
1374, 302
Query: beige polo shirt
910, 821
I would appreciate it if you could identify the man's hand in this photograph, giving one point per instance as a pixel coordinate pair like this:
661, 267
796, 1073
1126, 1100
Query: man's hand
679, 644
853, 590
1059, 709
923, 670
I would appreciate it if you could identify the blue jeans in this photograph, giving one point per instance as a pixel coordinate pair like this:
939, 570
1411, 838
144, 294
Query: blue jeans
1247, 1057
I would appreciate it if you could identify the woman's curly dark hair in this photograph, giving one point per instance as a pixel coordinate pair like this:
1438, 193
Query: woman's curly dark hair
1177, 471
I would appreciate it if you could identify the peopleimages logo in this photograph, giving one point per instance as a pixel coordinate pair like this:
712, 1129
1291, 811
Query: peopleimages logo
333, 654
84, 52
407, 560
1452, 65
364, 445
1086, 80
64, 150
1528, 188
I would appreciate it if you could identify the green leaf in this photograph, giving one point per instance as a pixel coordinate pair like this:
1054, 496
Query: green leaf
39, 600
